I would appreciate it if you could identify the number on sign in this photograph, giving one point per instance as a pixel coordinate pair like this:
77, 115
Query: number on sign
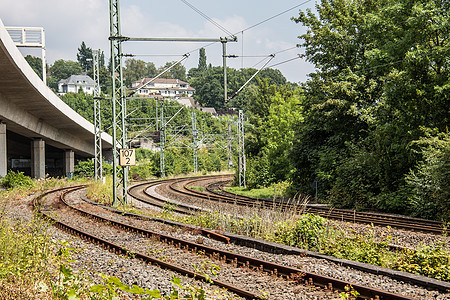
127, 157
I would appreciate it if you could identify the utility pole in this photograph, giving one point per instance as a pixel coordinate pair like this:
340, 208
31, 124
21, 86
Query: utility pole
162, 141
229, 151
224, 55
119, 98
98, 168
242, 166
195, 137
120, 176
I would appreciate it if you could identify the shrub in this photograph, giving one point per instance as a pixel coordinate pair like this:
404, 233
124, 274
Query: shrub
85, 169
13, 180
306, 232
428, 182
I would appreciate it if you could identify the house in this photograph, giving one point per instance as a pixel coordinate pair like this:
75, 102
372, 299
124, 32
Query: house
188, 102
76, 82
162, 87
210, 110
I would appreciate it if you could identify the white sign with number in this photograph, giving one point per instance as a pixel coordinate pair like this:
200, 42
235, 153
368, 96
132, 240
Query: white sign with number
127, 157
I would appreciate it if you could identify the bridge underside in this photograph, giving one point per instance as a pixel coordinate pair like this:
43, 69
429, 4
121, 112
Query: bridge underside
20, 157
39, 133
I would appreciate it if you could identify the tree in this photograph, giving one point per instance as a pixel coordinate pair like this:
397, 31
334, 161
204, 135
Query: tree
177, 72
152, 71
380, 77
62, 69
135, 69
202, 65
35, 63
273, 111
430, 195
84, 57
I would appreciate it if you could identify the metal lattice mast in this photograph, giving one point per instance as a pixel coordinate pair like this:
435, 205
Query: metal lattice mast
118, 101
162, 141
97, 118
242, 166
229, 151
195, 137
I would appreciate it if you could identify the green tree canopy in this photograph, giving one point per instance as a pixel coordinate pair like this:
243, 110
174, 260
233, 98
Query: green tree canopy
84, 57
382, 74
35, 63
177, 72
62, 69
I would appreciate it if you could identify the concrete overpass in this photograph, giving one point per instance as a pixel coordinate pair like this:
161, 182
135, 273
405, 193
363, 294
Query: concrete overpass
39, 133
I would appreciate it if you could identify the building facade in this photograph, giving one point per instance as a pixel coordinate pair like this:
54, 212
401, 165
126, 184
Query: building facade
74, 83
162, 87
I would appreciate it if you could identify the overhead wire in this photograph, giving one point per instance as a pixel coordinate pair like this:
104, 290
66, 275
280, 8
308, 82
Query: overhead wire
277, 15
207, 18
283, 62
255, 25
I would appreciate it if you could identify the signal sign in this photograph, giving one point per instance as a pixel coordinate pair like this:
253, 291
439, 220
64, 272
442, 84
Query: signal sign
127, 157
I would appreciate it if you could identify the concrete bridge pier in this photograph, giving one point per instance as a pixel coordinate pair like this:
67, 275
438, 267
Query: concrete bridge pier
3, 151
69, 163
38, 158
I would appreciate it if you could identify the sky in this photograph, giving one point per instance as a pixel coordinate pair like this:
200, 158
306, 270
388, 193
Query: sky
67, 23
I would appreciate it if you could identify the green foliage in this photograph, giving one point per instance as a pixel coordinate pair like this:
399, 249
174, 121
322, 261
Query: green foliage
382, 75
430, 261
143, 170
428, 182
202, 65
27, 258
16, 180
257, 174
81, 103
209, 90
273, 112
306, 232
315, 233
176, 72
62, 69
84, 169
35, 63
276, 190
84, 57
206, 268
349, 293
136, 69
101, 193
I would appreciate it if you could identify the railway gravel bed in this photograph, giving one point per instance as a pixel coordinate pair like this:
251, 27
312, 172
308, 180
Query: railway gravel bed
399, 237
94, 259
256, 282
309, 264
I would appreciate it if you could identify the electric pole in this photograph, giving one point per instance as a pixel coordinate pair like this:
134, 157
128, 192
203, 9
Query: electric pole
98, 168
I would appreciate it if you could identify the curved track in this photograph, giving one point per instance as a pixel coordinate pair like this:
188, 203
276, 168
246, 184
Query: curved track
237, 260
401, 222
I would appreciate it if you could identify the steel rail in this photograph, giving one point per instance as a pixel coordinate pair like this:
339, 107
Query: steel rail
117, 249
238, 260
400, 222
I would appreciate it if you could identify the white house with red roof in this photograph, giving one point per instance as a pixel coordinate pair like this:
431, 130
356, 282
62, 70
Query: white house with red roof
162, 87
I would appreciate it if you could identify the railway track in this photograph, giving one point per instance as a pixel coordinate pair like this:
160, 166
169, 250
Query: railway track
237, 260
400, 222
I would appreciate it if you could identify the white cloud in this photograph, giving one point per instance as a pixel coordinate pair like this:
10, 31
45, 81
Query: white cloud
68, 23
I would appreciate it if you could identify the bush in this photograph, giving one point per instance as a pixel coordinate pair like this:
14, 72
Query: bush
428, 182
307, 232
85, 169
13, 180
143, 171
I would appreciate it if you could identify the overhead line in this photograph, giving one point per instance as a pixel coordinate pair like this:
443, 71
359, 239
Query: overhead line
207, 18
280, 63
257, 24
273, 17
